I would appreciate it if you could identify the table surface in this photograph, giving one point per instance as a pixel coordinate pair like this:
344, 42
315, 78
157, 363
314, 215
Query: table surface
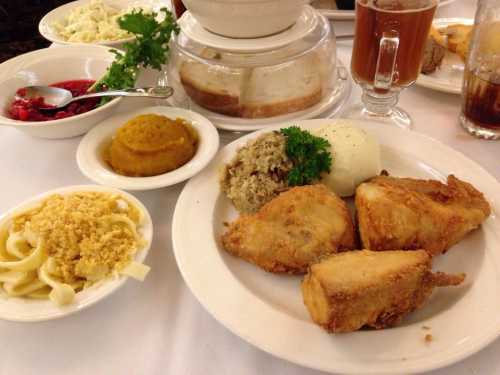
158, 327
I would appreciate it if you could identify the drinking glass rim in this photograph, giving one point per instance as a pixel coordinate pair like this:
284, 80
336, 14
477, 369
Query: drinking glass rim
433, 3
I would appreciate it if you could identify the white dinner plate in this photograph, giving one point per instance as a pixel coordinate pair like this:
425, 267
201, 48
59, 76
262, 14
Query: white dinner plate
326, 9
267, 310
89, 155
331, 103
449, 76
32, 310
304, 25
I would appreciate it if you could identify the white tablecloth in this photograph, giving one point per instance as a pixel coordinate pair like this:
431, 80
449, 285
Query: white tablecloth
158, 327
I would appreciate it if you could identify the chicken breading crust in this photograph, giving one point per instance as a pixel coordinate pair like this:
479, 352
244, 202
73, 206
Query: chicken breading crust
409, 214
292, 231
347, 291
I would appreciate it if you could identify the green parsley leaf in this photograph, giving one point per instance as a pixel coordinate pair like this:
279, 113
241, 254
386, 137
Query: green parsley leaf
138, 23
309, 155
149, 49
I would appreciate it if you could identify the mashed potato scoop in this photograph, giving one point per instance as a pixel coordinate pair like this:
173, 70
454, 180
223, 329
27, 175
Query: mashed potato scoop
355, 154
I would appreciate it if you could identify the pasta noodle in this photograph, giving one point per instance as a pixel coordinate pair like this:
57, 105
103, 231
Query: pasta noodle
67, 243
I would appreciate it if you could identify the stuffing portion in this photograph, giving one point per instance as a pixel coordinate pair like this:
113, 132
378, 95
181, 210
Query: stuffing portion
258, 173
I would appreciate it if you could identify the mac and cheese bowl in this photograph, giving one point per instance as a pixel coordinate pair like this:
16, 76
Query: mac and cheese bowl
52, 267
48, 66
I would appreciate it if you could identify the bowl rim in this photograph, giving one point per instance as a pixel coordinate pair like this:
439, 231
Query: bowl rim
87, 153
6, 121
47, 31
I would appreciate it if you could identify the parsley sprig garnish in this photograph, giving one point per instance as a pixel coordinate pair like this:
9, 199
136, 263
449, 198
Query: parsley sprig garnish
309, 155
149, 49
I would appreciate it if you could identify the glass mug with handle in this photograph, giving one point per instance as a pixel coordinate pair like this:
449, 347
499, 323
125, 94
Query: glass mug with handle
389, 43
480, 114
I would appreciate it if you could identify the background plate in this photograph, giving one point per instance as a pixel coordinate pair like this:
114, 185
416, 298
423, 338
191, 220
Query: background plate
448, 78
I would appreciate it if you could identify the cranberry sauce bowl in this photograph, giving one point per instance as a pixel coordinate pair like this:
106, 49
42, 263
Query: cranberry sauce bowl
25, 108
70, 67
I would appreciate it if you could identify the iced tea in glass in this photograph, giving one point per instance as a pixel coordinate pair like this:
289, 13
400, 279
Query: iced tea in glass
480, 114
389, 43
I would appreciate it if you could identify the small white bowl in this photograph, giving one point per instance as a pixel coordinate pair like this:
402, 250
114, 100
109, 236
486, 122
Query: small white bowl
246, 18
30, 310
51, 65
89, 155
58, 14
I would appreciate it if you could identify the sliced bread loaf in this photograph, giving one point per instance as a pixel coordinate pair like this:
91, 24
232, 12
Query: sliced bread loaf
254, 92
217, 89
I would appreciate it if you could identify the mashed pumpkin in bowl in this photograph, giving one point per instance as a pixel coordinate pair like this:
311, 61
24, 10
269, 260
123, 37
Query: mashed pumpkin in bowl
150, 145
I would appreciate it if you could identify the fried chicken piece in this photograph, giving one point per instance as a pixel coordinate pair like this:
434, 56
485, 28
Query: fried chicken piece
350, 290
409, 214
290, 232
458, 40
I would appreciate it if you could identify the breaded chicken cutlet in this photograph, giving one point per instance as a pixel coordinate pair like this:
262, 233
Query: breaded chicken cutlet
350, 290
409, 214
292, 231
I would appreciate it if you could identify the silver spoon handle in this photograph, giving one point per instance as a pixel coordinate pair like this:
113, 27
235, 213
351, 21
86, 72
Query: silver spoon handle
146, 92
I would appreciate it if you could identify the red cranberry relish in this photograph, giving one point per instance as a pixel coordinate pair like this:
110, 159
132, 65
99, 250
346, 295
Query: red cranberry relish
27, 109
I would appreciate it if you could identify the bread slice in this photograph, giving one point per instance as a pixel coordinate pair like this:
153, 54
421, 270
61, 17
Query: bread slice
216, 89
434, 52
254, 92
293, 87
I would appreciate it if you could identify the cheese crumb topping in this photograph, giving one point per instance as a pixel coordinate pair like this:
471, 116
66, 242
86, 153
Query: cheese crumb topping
88, 234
